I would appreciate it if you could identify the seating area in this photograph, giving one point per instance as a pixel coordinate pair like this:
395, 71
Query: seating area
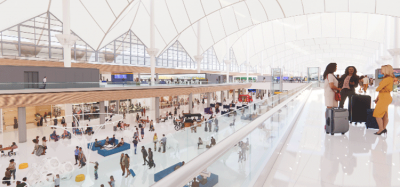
158, 176
104, 152
102, 142
211, 181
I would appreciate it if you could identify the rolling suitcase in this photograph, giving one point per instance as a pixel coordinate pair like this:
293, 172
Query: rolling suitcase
371, 120
358, 106
336, 121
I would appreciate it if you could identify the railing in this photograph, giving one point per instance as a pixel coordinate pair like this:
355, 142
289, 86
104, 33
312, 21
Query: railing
64, 85
228, 129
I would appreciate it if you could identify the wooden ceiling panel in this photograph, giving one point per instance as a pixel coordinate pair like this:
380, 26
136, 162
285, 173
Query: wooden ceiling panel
38, 99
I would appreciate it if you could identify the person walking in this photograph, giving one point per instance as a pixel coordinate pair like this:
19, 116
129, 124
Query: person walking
330, 86
384, 99
144, 111
199, 143
63, 122
122, 163
155, 140
144, 154
365, 83
142, 131
15, 123
135, 142
164, 142
112, 181
82, 157
126, 164
348, 83
36, 142
136, 135
44, 82
76, 153
151, 161
360, 83
12, 168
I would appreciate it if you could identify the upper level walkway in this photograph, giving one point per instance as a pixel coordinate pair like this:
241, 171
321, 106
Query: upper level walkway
105, 92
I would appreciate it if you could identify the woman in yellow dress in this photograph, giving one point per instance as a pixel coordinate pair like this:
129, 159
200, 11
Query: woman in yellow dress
384, 99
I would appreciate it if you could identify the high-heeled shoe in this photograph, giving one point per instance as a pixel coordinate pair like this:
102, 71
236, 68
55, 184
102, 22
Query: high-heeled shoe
384, 131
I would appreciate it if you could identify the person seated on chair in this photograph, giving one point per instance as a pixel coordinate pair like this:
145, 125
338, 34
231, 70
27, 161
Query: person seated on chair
12, 147
66, 134
119, 125
212, 141
112, 141
151, 126
107, 142
88, 129
1, 150
121, 143
97, 144
54, 136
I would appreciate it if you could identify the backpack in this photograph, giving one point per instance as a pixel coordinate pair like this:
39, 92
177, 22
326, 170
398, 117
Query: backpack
140, 125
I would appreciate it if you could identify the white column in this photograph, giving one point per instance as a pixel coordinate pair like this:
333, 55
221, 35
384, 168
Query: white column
395, 51
227, 60
66, 39
152, 51
190, 103
262, 64
68, 113
22, 135
198, 57
1, 120
247, 56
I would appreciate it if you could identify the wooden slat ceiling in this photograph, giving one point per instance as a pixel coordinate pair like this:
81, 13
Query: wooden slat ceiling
39, 99
106, 68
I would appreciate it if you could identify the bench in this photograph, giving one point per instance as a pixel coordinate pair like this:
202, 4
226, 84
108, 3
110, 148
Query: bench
105, 153
211, 181
158, 176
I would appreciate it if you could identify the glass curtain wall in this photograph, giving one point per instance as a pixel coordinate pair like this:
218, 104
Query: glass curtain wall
234, 65
176, 57
210, 61
35, 38
126, 49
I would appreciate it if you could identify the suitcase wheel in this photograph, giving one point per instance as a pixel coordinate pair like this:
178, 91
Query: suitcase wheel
327, 132
342, 133
332, 134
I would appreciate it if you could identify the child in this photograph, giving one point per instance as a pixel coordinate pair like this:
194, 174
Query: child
96, 167
57, 181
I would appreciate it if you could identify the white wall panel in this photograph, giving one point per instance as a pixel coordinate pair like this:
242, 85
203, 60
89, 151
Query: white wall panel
388, 7
268, 34
178, 13
273, 9
216, 26
291, 7
194, 9
229, 20
210, 5
376, 27
313, 6
336, 5
328, 25
243, 16
359, 25
343, 24
257, 11
289, 27
314, 25
366, 6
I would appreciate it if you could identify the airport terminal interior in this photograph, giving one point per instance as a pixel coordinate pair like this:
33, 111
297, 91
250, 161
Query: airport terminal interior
199, 93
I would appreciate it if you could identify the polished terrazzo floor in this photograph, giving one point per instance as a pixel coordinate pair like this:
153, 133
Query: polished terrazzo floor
357, 159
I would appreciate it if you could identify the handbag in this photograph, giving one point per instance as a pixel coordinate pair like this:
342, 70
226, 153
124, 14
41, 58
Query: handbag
338, 97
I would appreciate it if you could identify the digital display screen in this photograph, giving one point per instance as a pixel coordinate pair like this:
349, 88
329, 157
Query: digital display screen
119, 76
396, 73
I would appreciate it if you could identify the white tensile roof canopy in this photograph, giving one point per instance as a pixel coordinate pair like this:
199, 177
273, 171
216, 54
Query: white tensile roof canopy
292, 31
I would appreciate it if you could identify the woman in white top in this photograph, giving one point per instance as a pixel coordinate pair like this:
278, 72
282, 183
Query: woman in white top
330, 86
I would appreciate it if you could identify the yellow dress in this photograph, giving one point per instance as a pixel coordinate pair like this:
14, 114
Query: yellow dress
384, 89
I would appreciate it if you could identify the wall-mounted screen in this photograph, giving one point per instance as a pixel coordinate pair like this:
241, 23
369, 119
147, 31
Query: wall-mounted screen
119, 76
396, 73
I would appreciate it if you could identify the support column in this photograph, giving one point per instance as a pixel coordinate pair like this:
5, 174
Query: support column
208, 99
1, 120
152, 51
22, 135
190, 103
68, 113
102, 114
157, 108
233, 95
395, 52
66, 39
157, 77
247, 57
198, 57
227, 94
239, 92
222, 96
117, 106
